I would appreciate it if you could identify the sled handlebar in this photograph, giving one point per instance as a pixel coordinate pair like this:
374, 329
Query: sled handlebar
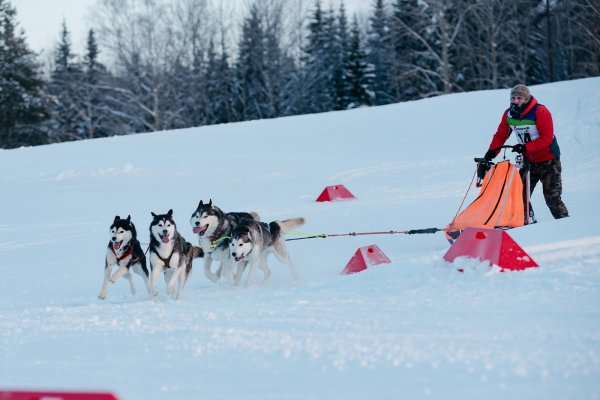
490, 163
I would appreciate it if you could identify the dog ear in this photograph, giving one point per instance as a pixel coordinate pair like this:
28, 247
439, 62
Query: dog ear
129, 218
153, 215
170, 213
116, 218
210, 202
200, 204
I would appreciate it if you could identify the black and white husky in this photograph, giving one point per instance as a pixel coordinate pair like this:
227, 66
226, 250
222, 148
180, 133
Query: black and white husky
213, 227
253, 241
123, 250
169, 253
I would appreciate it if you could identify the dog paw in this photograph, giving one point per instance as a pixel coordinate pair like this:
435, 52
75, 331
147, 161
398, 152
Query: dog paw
102, 296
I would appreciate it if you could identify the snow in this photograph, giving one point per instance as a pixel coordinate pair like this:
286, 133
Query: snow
414, 328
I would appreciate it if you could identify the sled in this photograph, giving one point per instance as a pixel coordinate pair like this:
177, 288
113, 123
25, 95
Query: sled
500, 203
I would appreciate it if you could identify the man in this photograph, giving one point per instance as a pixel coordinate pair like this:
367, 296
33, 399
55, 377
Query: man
532, 124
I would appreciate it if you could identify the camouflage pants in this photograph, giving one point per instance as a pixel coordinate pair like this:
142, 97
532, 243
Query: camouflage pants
549, 174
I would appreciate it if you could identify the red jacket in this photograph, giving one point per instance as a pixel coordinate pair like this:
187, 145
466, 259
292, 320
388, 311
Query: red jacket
538, 150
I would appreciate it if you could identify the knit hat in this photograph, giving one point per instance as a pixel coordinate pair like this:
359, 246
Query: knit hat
520, 91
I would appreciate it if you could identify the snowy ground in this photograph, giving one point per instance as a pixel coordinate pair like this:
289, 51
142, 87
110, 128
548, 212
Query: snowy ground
415, 328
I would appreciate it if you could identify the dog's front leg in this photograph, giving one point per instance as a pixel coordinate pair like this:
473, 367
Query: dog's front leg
251, 271
228, 271
118, 273
182, 279
157, 268
239, 271
209, 274
104, 290
173, 275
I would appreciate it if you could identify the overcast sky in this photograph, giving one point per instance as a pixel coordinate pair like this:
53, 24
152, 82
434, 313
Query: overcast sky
42, 19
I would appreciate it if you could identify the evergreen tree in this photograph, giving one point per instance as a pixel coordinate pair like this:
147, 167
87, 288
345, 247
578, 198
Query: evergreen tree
359, 74
340, 51
380, 53
407, 80
97, 92
251, 69
65, 87
318, 72
222, 78
277, 63
23, 104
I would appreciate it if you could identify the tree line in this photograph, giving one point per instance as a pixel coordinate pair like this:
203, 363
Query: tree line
188, 63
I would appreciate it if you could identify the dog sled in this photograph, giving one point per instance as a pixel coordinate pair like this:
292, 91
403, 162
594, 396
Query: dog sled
503, 200
502, 203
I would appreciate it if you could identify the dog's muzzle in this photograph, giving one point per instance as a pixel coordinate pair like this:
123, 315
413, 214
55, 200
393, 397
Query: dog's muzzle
117, 245
200, 230
164, 237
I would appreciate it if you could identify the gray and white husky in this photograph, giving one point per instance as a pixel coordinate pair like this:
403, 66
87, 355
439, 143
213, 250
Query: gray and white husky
253, 241
213, 227
123, 250
169, 253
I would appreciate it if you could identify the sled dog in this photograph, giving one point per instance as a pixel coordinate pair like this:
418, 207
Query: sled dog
169, 253
253, 241
213, 227
125, 251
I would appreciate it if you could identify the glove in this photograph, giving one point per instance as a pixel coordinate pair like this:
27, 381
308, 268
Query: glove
519, 148
489, 155
482, 169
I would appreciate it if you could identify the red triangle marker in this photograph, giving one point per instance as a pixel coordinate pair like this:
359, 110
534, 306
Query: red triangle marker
365, 257
492, 245
335, 192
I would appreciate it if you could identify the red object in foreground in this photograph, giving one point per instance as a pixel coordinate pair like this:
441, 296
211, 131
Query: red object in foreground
336, 192
48, 395
492, 245
365, 257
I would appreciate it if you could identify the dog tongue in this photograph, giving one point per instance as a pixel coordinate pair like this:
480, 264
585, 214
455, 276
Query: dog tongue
200, 229
165, 238
117, 245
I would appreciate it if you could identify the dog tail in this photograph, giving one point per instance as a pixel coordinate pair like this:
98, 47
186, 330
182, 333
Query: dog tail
289, 224
255, 215
197, 252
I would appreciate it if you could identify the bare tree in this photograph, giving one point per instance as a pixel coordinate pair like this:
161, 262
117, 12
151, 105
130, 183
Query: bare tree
445, 21
142, 37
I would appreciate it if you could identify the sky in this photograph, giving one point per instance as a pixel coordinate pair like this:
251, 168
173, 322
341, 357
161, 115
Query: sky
413, 328
42, 19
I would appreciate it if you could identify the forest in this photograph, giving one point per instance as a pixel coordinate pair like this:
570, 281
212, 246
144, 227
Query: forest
152, 65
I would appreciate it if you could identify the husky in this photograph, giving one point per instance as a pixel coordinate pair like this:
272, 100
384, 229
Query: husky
213, 227
125, 251
169, 253
253, 241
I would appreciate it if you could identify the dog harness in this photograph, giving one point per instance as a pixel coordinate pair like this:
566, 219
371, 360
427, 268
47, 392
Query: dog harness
168, 259
123, 256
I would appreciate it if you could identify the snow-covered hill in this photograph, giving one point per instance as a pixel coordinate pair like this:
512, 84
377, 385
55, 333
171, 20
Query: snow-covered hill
415, 328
